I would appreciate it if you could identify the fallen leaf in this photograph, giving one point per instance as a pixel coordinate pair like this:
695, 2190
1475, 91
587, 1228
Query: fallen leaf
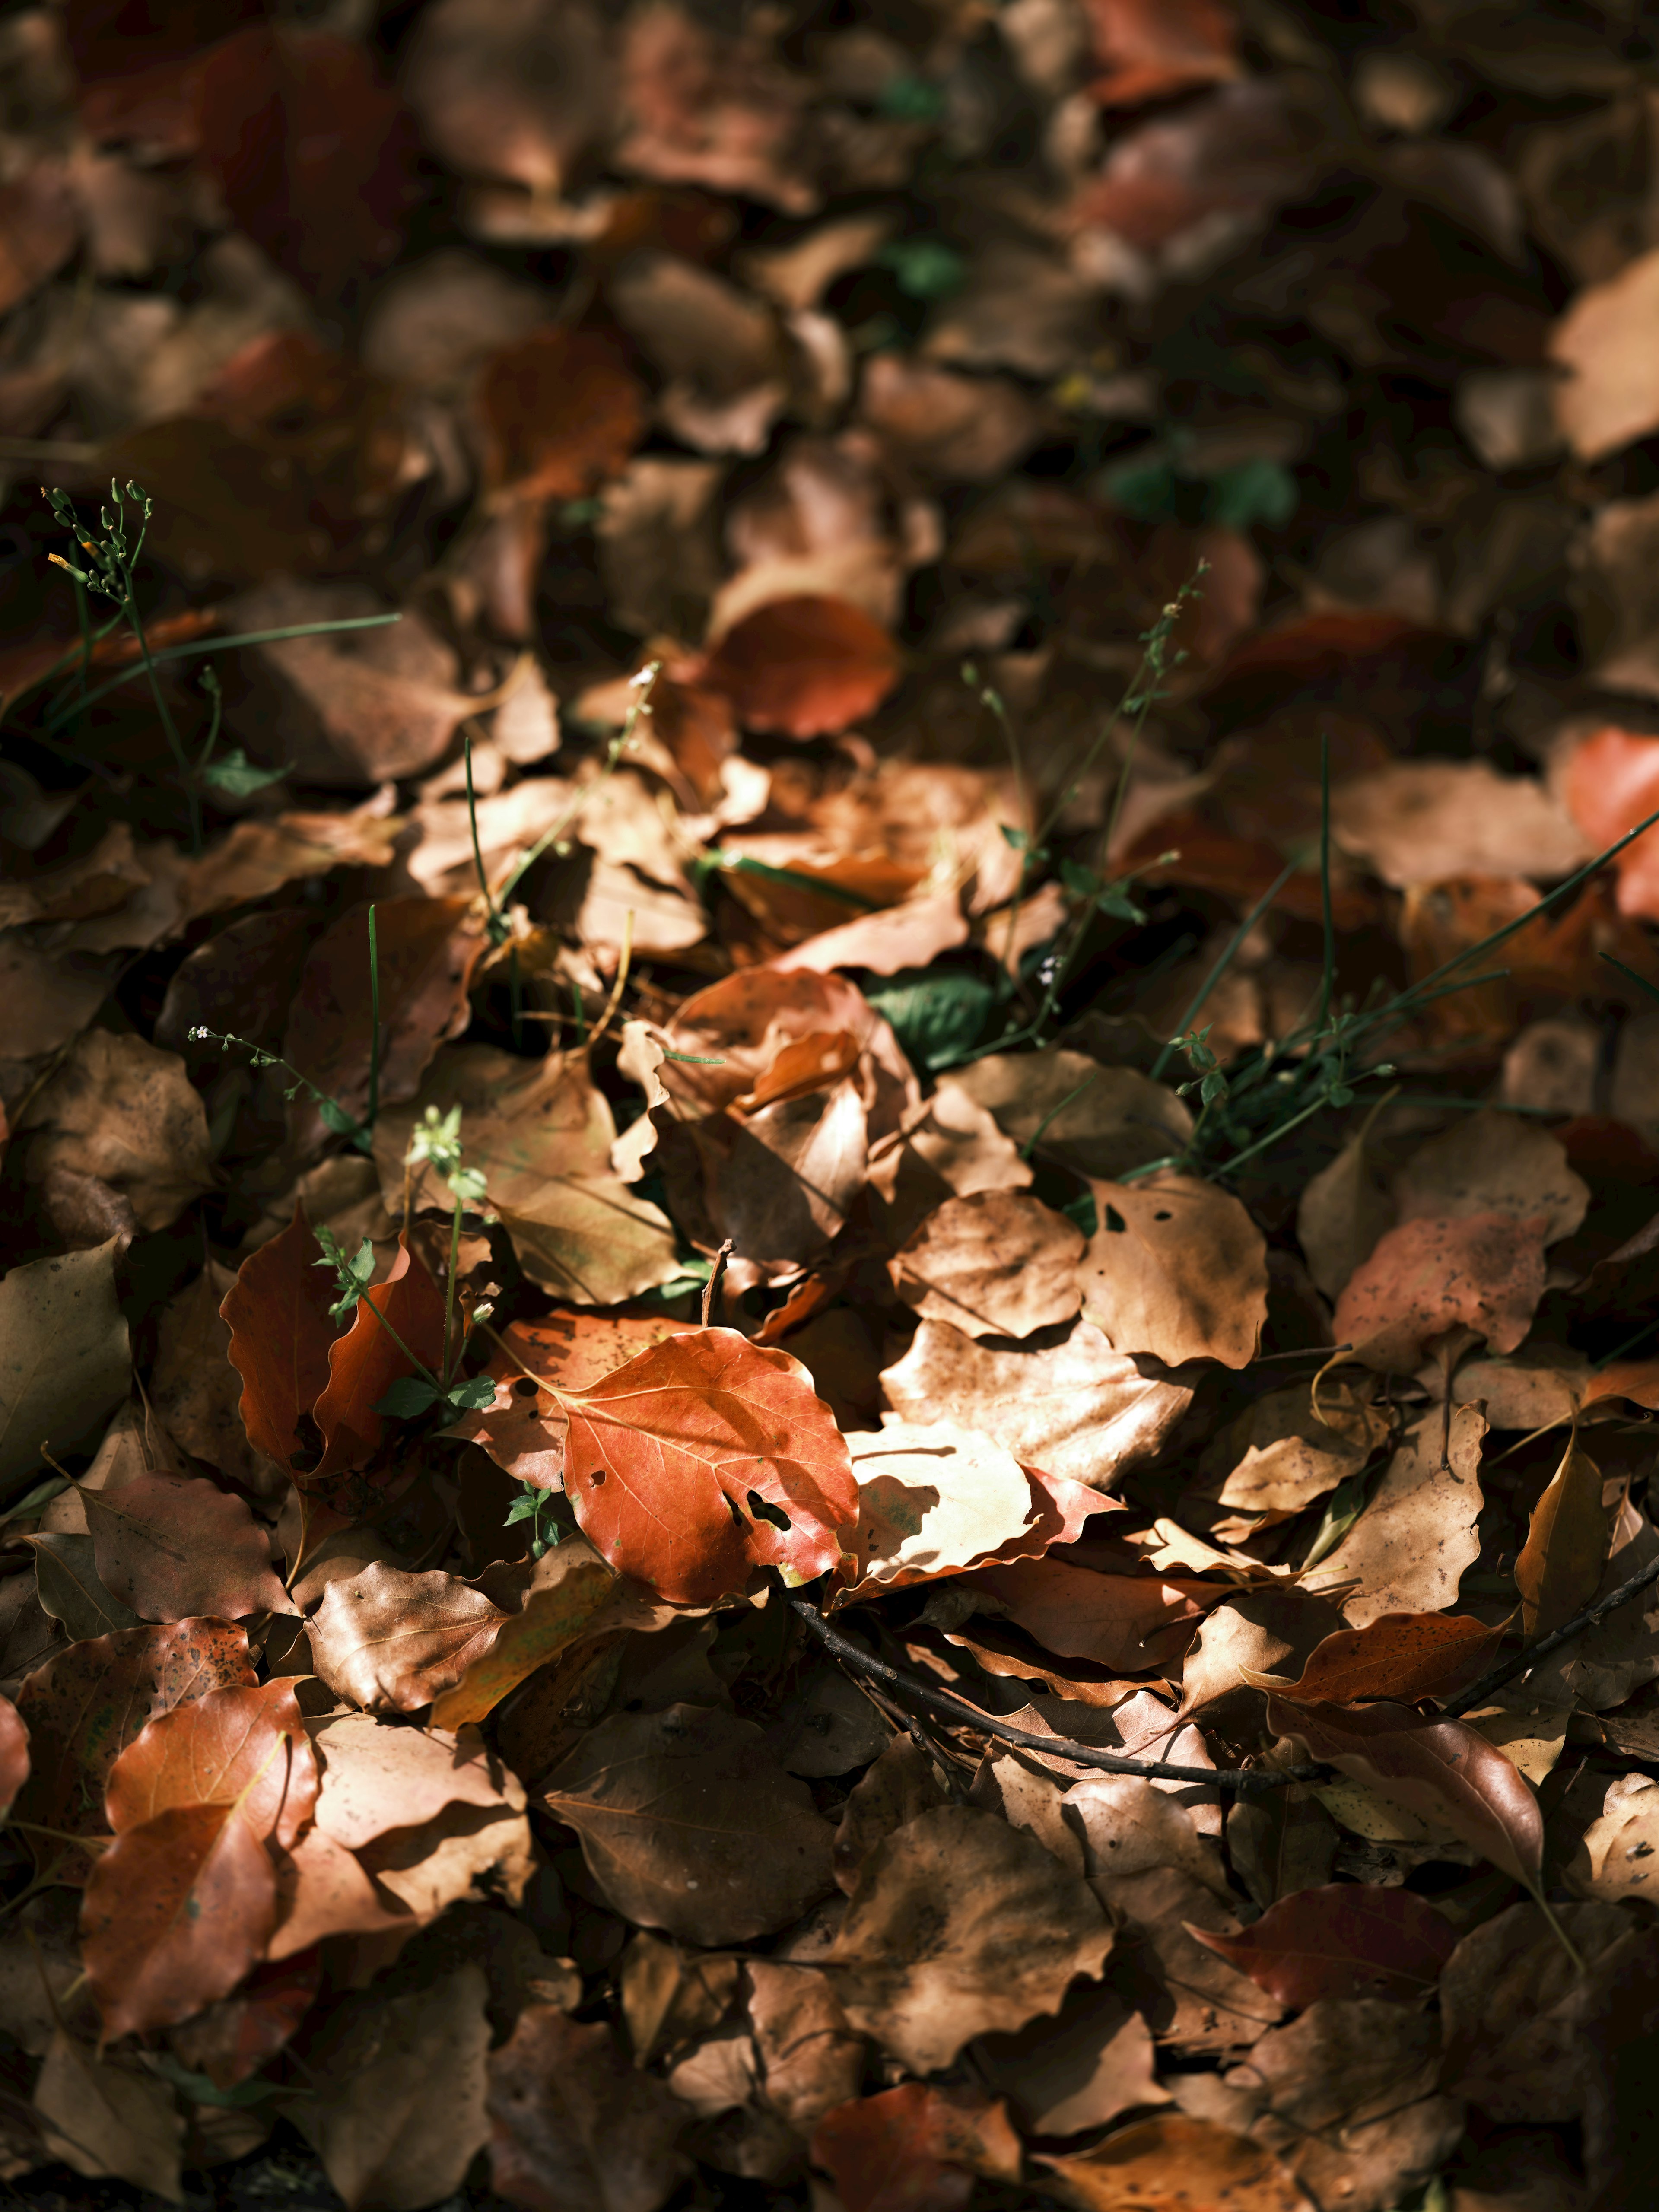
106, 2118
1493, 1163
960, 1924
524, 1430
1345, 2097
1076, 1408
1407, 1657
66, 1579
686, 1824
1412, 1544
677, 1464
1128, 1622
573, 2126
1293, 1445
231, 2041
322, 1890
254, 858
406, 1310
560, 411
810, 2058
391, 1641
66, 1362
172, 1548
1483, 1272
565, 1603
1430, 821
805, 666
119, 1109
89, 1702
1442, 1770
1610, 783
1342, 1939
14, 1754
398, 2084
1176, 1270
1610, 397
193, 1386
1100, 1121
281, 1334
1162, 1883
176, 1911
995, 1263
933, 1498
1560, 1566
377, 1778
1510, 2044
509, 92
915, 2149
1170, 2162
237, 1746
1342, 1212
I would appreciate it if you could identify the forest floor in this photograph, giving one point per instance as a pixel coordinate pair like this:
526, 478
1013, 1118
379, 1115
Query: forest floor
830, 1208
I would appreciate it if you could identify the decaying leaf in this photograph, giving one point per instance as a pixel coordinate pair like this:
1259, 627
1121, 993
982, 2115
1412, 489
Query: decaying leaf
1559, 1565
65, 1364
1176, 1270
391, 1641
574, 2125
686, 1824
998, 1263
1483, 1272
1409, 1548
1163, 2164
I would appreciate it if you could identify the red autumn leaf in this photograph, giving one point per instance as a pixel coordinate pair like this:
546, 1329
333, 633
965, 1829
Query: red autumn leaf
1441, 1769
915, 2148
561, 411
425, 952
364, 1362
1407, 1657
280, 1336
84, 1707
1478, 1271
1153, 48
313, 156
806, 667
704, 1458
170, 1548
1343, 1940
524, 1431
175, 1912
14, 1754
1612, 783
238, 1745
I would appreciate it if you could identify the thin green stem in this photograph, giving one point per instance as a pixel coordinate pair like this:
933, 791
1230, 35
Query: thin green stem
193, 651
1327, 981
1230, 953
491, 909
449, 1286
374, 1019
1641, 982
192, 795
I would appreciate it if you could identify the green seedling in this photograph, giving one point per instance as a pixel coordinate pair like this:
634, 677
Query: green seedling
549, 1515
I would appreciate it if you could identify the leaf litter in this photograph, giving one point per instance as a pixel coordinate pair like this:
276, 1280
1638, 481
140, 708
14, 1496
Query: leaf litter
829, 1162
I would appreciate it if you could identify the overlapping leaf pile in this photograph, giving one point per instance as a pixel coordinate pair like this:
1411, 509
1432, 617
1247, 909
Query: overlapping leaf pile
810, 1392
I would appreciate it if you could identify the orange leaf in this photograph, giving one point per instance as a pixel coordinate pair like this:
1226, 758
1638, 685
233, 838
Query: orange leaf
915, 2149
1403, 1655
1612, 783
364, 1362
806, 667
175, 1912
14, 1754
247, 1746
280, 1336
1154, 51
707, 1457
561, 412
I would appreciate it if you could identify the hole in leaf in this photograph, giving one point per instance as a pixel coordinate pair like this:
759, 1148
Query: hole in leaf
760, 1510
598, 1478
1115, 1221
1164, 1216
524, 1387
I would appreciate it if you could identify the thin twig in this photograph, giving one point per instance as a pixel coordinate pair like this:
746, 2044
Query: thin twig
961, 1714
1524, 1661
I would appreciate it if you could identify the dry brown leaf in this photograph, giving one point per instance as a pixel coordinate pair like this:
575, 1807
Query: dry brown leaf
1176, 1270
1343, 1210
686, 1824
1508, 2048
1155, 1875
1099, 1120
1345, 2097
1412, 1543
574, 2128
1483, 1271
1292, 1448
1169, 2163
391, 1641
377, 1778
996, 1263
958, 1925
1560, 1566
1428, 821
810, 2058
1128, 1622
1611, 396
194, 1390
1080, 2070
119, 1109
933, 1498
102, 2116
1076, 1408
171, 1548
1493, 1163
396, 2110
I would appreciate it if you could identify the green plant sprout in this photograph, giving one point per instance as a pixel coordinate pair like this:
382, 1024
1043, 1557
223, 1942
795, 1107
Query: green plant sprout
549, 1514
111, 549
352, 1272
436, 1142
